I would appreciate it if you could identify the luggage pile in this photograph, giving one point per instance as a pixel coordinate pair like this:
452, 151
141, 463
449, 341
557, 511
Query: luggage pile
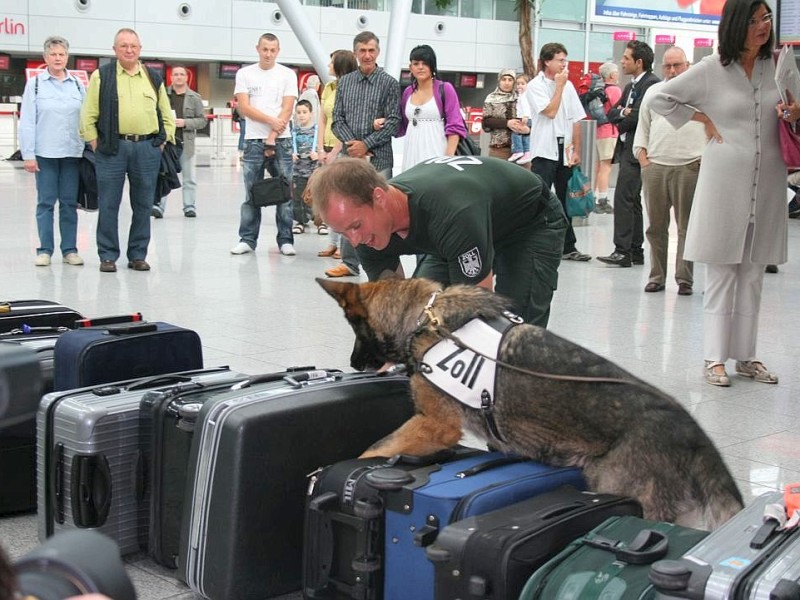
247, 485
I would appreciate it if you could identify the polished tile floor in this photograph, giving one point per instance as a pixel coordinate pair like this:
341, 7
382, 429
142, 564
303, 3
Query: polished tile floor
262, 312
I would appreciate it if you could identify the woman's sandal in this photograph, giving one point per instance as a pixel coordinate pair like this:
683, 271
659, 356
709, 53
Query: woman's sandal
322, 229
714, 378
298, 228
328, 252
756, 370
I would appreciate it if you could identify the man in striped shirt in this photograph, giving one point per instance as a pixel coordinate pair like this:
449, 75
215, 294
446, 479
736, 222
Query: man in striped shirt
363, 96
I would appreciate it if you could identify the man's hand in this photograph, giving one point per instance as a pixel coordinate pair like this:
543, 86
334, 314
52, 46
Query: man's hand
356, 149
31, 166
377, 124
180, 122
278, 125
561, 78
93, 145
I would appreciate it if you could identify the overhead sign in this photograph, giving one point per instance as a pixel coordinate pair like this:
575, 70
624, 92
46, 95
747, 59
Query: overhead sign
789, 22
694, 14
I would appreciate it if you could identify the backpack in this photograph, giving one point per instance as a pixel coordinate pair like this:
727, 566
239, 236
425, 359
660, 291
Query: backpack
592, 94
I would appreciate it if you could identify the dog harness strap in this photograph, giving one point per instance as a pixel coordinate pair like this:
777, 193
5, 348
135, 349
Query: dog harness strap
487, 410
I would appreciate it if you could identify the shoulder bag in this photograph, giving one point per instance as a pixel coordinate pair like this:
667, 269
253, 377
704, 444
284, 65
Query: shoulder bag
465, 146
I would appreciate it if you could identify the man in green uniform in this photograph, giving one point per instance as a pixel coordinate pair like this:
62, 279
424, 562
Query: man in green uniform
474, 218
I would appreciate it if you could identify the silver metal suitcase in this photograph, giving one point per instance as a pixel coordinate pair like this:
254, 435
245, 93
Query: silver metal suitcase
745, 559
90, 472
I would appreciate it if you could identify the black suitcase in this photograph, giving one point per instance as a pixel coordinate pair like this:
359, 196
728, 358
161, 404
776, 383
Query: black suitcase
242, 533
20, 391
167, 421
14, 314
95, 355
492, 556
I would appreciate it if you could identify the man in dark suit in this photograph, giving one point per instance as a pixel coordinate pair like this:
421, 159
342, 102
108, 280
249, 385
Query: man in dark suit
637, 61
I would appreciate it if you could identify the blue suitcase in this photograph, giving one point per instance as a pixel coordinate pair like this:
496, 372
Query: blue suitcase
420, 503
95, 355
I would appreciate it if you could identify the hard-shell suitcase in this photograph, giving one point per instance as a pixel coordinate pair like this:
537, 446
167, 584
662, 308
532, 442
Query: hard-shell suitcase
611, 562
491, 556
20, 391
745, 559
35, 313
344, 525
242, 537
89, 464
95, 355
168, 419
42, 344
419, 504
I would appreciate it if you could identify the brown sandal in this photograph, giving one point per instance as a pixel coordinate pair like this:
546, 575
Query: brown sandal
328, 252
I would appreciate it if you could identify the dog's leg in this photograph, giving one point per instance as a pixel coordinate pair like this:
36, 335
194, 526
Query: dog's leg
419, 436
435, 427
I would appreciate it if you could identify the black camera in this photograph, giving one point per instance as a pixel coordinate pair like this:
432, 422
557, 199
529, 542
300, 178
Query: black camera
72, 563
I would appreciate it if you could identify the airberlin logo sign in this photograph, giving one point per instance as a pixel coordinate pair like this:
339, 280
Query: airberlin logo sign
9, 26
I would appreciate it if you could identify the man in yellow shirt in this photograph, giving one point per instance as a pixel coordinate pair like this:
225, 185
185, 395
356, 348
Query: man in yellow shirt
126, 118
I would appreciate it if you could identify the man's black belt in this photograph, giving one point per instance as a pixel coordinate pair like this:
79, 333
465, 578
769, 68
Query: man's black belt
132, 137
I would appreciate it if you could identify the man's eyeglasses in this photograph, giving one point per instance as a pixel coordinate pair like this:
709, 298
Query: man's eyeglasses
416, 114
765, 19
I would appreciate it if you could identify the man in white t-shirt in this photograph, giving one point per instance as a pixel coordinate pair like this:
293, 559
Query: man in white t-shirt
555, 130
265, 93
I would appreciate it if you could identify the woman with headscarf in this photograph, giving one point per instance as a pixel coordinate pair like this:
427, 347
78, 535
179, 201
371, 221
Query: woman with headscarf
498, 109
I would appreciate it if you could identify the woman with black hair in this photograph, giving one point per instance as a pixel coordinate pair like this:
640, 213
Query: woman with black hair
430, 112
739, 218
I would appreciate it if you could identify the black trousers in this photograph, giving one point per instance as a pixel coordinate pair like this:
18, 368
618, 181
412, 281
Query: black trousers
628, 223
554, 173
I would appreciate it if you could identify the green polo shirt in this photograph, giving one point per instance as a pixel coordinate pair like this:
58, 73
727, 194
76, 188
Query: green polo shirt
137, 106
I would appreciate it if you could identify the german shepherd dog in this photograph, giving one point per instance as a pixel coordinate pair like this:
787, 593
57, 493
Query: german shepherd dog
554, 402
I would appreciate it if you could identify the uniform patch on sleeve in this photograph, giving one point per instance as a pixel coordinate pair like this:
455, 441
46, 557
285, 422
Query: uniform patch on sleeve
470, 262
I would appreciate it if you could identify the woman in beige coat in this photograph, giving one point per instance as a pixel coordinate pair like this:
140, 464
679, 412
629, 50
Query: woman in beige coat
739, 218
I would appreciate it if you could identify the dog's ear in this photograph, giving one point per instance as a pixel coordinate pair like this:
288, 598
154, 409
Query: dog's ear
338, 290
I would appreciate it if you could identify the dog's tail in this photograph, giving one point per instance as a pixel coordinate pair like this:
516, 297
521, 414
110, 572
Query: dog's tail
721, 496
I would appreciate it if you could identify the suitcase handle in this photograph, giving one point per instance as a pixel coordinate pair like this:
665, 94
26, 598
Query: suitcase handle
131, 328
318, 548
647, 547
160, 380
90, 489
492, 464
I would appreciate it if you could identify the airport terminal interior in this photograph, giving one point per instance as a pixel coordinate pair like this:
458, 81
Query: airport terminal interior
263, 311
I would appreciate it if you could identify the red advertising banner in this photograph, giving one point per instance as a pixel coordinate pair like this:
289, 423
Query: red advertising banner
624, 36
81, 76
703, 42
5, 62
665, 39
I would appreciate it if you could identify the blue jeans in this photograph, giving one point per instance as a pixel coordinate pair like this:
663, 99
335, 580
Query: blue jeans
254, 165
520, 143
188, 184
57, 179
140, 162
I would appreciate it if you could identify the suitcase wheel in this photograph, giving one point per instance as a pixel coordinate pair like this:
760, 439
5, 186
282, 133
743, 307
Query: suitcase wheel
366, 564
368, 508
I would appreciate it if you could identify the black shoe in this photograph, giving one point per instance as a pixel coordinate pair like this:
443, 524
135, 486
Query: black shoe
654, 287
637, 258
189, 213
794, 208
157, 214
771, 269
617, 259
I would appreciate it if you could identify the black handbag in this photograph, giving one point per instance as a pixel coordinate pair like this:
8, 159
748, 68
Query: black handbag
465, 146
271, 191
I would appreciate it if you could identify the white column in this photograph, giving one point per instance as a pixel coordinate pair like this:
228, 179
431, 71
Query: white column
398, 28
301, 26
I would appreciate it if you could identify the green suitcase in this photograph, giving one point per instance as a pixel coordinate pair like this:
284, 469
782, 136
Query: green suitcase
611, 562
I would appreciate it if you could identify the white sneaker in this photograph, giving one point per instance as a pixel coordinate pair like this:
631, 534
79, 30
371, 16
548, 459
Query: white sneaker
73, 259
514, 157
287, 250
42, 260
241, 248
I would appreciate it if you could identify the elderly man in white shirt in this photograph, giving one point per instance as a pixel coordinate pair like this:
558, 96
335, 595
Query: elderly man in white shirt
670, 161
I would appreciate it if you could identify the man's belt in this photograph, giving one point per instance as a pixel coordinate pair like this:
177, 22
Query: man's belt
133, 137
